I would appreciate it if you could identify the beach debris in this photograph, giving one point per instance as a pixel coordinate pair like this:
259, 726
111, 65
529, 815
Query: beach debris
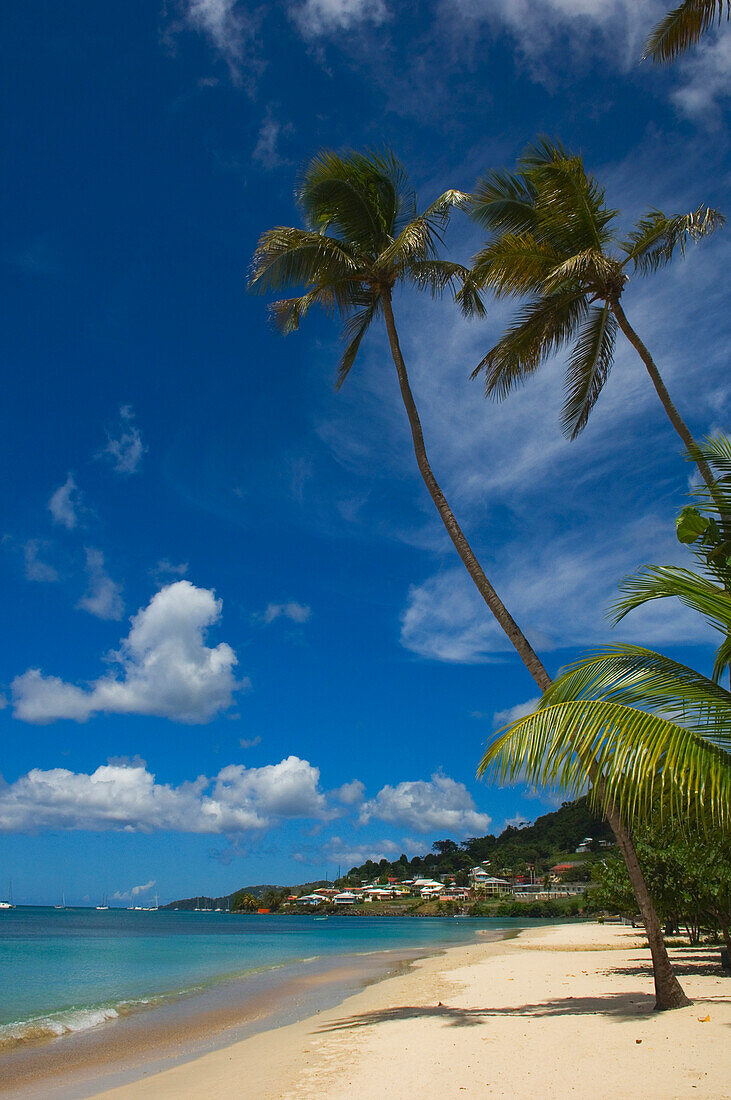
638, 1041
703, 1019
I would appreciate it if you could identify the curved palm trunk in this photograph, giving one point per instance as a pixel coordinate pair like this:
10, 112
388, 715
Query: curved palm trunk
660, 388
668, 991
455, 532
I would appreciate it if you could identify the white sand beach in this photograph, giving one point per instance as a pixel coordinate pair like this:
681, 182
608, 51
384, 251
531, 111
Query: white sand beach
558, 1011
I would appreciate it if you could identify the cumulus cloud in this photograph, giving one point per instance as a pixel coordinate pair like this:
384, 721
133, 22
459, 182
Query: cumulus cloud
134, 891
340, 850
103, 596
125, 450
441, 804
65, 504
316, 18
705, 76
350, 794
163, 667
35, 568
295, 612
127, 797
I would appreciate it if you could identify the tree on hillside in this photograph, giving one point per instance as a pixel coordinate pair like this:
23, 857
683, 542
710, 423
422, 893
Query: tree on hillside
554, 239
683, 27
362, 237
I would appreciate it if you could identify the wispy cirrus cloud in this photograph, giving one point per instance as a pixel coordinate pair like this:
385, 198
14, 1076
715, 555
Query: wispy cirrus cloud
125, 450
66, 503
36, 569
316, 18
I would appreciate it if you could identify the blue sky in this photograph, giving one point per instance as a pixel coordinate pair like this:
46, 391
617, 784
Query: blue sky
307, 678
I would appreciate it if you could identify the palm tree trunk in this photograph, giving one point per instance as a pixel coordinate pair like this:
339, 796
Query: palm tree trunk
660, 388
497, 607
668, 991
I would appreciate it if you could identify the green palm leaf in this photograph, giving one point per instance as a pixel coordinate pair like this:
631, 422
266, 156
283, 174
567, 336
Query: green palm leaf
515, 264
653, 242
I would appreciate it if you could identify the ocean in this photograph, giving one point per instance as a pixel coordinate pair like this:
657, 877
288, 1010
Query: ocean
67, 971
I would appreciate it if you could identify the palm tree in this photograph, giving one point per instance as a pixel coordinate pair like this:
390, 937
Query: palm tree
638, 727
554, 239
363, 236
683, 27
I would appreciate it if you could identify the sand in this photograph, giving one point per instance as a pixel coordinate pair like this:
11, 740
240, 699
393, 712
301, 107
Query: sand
558, 1011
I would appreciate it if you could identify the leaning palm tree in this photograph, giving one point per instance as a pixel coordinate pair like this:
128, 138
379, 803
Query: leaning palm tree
554, 239
683, 27
634, 726
362, 237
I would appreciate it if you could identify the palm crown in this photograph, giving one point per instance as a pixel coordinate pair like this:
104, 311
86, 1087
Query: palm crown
555, 240
362, 236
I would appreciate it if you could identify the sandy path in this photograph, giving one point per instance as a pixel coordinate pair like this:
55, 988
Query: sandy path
560, 1011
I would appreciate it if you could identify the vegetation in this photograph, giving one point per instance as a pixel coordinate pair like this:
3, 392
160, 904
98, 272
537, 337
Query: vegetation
689, 873
554, 239
683, 27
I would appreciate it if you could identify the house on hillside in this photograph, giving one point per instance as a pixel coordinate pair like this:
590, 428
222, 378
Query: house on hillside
486, 883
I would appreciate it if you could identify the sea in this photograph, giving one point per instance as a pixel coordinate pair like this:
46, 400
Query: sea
64, 971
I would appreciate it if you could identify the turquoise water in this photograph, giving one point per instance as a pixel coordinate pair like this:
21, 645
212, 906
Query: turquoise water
68, 970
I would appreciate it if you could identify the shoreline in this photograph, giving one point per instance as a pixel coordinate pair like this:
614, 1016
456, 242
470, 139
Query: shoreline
561, 1010
185, 1027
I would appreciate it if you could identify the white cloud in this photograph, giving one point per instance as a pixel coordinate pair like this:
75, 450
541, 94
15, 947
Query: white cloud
232, 29
705, 71
350, 794
134, 892
350, 855
250, 742
316, 18
296, 612
103, 596
126, 450
163, 668
35, 568
127, 797
559, 592
512, 714
266, 151
166, 568
65, 504
441, 804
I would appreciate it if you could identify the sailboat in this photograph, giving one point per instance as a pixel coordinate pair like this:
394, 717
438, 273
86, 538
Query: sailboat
63, 903
103, 904
8, 904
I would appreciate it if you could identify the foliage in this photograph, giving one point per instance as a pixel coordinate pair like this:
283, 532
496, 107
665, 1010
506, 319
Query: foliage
363, 234
554, 240
688, 872
683, 27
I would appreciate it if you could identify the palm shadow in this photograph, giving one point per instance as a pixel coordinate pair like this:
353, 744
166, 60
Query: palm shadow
619, 1006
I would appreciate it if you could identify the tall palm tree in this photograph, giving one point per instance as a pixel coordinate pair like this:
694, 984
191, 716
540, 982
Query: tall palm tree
554, 239
363, 236
683, 27
637, 727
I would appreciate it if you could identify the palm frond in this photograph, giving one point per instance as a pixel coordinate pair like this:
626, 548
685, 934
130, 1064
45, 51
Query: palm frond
286, 256
640, 758
354, 330
504, 202
590, 268
514, 264
654, 240
683, 27
640, 678
540, 328
420, 236
588, 369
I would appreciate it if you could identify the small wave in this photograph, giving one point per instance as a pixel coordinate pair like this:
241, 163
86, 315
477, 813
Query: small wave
56, 1024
